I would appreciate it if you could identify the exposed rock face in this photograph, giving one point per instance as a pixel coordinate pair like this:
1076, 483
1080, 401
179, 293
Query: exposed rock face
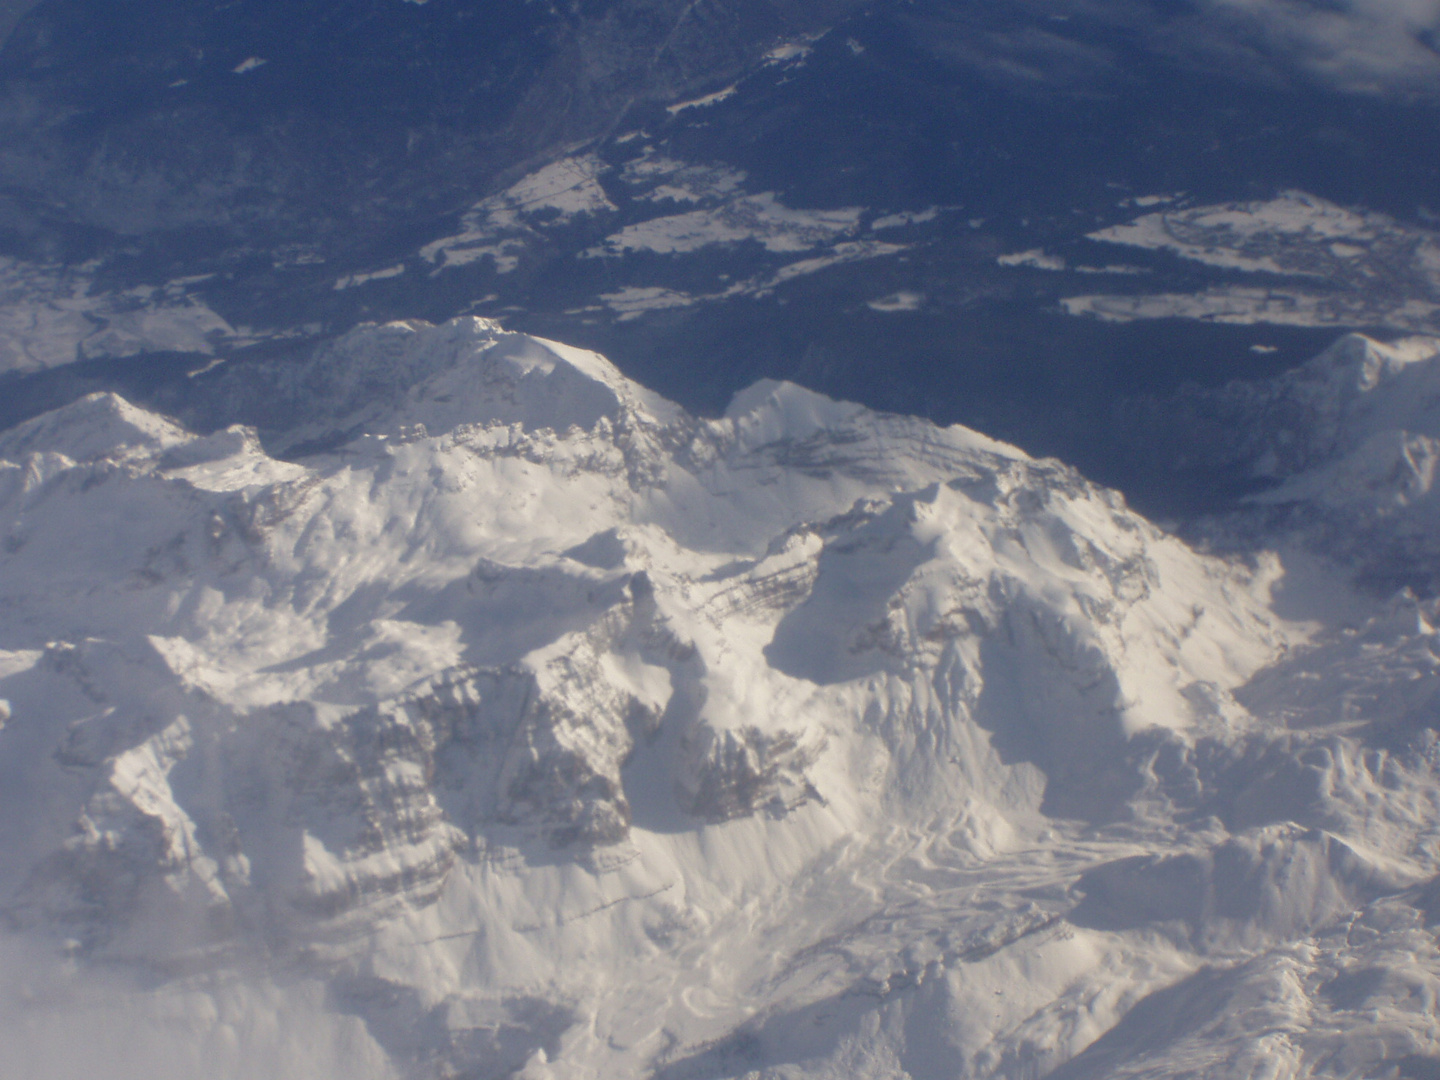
730, 774
551, 728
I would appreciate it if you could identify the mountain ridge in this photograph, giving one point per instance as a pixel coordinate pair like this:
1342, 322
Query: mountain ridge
535, 727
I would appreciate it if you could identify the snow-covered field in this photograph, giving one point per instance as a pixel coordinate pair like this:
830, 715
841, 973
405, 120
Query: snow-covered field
541, 729
718, 212
1242, 306
1308, 261
50, 316
761, 217
498, 226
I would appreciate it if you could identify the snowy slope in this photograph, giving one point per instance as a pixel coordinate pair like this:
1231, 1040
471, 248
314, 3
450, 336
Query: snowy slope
534, 726
1347, 444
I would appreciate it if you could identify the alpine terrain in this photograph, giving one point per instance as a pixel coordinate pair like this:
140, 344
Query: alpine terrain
489, 715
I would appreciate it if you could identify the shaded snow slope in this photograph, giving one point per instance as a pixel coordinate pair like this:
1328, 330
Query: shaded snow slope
1345, 447
526, 725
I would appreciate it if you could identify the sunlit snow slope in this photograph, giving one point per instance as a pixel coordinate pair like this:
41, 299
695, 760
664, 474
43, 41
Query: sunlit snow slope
539, 728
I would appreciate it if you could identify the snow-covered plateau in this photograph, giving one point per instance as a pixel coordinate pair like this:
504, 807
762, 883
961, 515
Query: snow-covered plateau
536, 728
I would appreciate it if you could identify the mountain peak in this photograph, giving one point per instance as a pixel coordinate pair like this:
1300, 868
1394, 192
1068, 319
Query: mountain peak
100, 425
1362, 364
377, 379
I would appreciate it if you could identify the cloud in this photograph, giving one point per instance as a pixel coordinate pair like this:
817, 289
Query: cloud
1356, 45
1367, 46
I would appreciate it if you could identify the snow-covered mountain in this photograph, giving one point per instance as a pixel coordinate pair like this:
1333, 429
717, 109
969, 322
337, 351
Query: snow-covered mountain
501, 718
1340, 452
